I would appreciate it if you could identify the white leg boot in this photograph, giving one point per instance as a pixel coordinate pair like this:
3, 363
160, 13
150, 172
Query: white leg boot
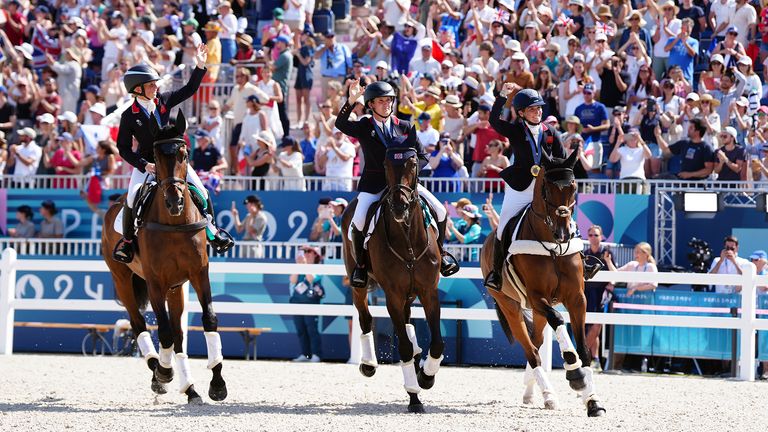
185, 372
213, 343
550, 401
411, 384
146, 346
368, 349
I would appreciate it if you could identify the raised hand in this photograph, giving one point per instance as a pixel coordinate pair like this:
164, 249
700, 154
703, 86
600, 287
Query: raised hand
201, 56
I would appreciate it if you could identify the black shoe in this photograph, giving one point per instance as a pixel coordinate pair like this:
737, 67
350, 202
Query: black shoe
590, 270
493, 280
448, 264
123, 251
359, 278
222, 241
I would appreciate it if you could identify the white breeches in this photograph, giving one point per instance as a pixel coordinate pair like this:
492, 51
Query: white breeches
514, 201
365, 200
137, 179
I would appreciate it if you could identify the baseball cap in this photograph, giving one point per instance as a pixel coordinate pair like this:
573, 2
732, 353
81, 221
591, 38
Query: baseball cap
600, 36
283, 38
191, 22
287, 141
732, 29
93, 89
46, 118
28, 131
68, 116
277, 13
99, 108
382, 64
589, 88
339, 202
66, 136
484, 107
730, 130
202, 133
425, 116
253, 199
758, 254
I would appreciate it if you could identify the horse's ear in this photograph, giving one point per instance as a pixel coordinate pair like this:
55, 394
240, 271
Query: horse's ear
546, 159
571, 161
181, 123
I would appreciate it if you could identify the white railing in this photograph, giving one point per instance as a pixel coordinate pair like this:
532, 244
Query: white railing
747, 323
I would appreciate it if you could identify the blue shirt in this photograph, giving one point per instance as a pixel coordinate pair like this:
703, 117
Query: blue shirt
403, 49
335, 61
308, 148
679, 56
593, 114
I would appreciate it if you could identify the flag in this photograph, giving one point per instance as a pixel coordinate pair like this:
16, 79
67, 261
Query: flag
437, 51
502, 16
606, 29
564, 20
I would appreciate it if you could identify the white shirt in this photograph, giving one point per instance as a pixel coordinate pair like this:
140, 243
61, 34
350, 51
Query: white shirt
336, 166
730, 269
236, 101
722, 12
295, 13
632, 162
421, 67
229, 26
112, 48
393, 15
658, 47
29, 151
742, 17
428, 137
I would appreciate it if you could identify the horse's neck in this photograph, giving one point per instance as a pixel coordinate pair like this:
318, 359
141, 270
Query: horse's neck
413, 232
159, 214
534, 227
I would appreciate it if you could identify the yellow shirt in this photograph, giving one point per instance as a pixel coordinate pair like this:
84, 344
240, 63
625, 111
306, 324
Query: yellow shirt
433, 110
214, 57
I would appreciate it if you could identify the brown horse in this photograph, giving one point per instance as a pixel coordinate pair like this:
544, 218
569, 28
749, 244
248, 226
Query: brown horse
404, 259
552, 274
172, 251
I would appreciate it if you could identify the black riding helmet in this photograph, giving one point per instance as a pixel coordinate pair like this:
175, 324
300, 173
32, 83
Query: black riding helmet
138, 75
527, 98
377, 89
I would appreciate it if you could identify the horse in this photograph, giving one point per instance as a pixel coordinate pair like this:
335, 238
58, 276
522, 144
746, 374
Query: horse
404, 259
551, 269
172, 250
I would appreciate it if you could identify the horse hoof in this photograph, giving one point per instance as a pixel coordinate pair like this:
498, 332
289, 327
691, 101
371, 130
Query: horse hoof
217, 391
367, 370
594, 409
163, 375
193, 398
576, 379
550, 404
158, 388
425, 381
527, 400
416, 408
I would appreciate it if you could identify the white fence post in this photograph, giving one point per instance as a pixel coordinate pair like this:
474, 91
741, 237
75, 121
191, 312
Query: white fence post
7, 296
747, 332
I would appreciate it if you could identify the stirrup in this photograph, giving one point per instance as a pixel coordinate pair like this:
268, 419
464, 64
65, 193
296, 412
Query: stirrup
493, 281
123, 251
222, 241
448, 264
359, 278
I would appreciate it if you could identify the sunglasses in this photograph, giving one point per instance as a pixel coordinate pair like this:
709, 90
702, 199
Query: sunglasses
634, 19
593, 235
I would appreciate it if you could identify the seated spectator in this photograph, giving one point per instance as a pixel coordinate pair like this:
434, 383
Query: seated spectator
468, 229
333, 224
336, 158
25, 157
428, 136
51, 226
494, 163
730, 158
306, 289
289, 163
484, 134
490, 212
261, 157
207, 161
643, 262
729, 262
103, 165
760, 259
445, 162
308, 146
211, 123
697, 156
25, 228
586, 155
66, 161
254, 225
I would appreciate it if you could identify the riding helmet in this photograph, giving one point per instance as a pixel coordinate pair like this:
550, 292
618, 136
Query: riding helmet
527, 98
138, 75
378, 89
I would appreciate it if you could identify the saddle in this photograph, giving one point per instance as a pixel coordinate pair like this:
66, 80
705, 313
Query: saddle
144, 198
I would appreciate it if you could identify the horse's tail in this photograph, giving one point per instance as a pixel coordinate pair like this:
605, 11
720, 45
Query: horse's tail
527, 315
140, 292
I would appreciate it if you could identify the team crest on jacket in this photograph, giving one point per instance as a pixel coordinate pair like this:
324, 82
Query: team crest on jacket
138, 122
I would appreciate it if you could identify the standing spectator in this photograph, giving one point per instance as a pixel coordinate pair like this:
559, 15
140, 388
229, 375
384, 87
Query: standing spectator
335, 60
744, 16
318, 231
631, 156
306, 289
276, 28
15, 22
228, 23
426, 64
683, 49
427, 135
289, 163
7, 113
237, 103
308, 146
593, 115
729, 262
720, 17
614, 81
66, 161
254, 224
729, 49
730, 158
445, 162
697, 156
213, 43
731, 88
494, 163
69, 73
206, 158
337, 156
395, 12
281, 69
113, 90
26, 156
593, 291
211, 123
261, 157
667, 27
25, 228
644, 262
573, 95
275, 96
51, 226
295, 15
48, 101
696, 15
305, 54
484, 134
115, 39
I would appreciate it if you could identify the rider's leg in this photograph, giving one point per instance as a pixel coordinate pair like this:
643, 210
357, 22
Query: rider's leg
219, 238
514, 202
448, 264
359, 277
124, 248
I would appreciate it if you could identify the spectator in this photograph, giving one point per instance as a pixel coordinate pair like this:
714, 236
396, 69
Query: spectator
631, 156
467, 230
586, 154
494, 163
594, 291
614, 80
289, 163
271, 107
601, 53
573, 95
104, 165
426, 64
245, 52
25, 228
490, 212
682, 48
306, 289
254, 225
760, 259
720, 17
335, 60
66, 161
453, 119
51, 226
744, 16
336, 159
305, 54
333, 224
697, 156
644, 87
7, 113
729, 262
484, 134
90, 98
753, 88
253, 124
308, 146
644, 263
276, 28
548, 91
206, 158
261, 157
395, 12
671, 107
281, 68
667, 26
213, 42
648, 120
49, 100
25, 157
710, 79
228, 23
115, 37
709, 114
318, 231
112, 90
445, 162
211, 123
428, 136
731, 158
237, 103
593, 115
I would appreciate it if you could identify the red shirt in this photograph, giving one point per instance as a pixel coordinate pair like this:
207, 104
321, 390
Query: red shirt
59, 159
15, 37
484, 136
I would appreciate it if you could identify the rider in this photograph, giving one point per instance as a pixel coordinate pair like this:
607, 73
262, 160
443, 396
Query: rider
528, 138
376, 134
141, 82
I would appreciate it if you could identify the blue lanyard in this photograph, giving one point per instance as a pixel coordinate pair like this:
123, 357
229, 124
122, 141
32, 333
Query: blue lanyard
156, 117
535, 150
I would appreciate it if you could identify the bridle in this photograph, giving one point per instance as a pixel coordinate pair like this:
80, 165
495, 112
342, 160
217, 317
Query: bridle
561, 211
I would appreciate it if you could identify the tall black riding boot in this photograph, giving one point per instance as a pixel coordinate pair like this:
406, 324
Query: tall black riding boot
448, 264
359, 277
124, 248
221, 240
590, 270
493, 279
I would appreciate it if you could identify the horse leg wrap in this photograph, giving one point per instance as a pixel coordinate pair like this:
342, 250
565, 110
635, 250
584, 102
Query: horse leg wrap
213, 342
432, 365
546, 387
530, 382
410, 330
146, 346
566, 346
368, 350
588, 393
182, 361
166, 354
411, 384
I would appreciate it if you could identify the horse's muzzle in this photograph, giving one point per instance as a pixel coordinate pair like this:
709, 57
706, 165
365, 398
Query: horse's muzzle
174, 205
563, 211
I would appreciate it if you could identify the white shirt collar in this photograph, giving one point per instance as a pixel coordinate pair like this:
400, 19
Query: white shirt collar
385, 124
535, 130
148, 105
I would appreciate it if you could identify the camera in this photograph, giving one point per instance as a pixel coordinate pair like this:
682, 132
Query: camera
700, 255
576, 143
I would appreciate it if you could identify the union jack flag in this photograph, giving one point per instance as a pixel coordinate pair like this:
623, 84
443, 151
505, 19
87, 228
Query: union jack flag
605, 29
502, 16
564, 20
397, 156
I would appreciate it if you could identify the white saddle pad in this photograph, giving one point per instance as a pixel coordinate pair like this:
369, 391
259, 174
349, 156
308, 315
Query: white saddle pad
533, 247
118, 225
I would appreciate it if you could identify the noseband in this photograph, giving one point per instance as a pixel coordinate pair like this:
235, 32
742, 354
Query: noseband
411, 193
559, 210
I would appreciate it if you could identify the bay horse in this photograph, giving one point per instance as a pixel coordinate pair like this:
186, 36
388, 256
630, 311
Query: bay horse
551, 269
172, 250
404, 259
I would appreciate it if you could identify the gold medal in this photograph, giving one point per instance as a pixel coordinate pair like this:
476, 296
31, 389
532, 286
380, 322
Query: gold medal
535, 170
